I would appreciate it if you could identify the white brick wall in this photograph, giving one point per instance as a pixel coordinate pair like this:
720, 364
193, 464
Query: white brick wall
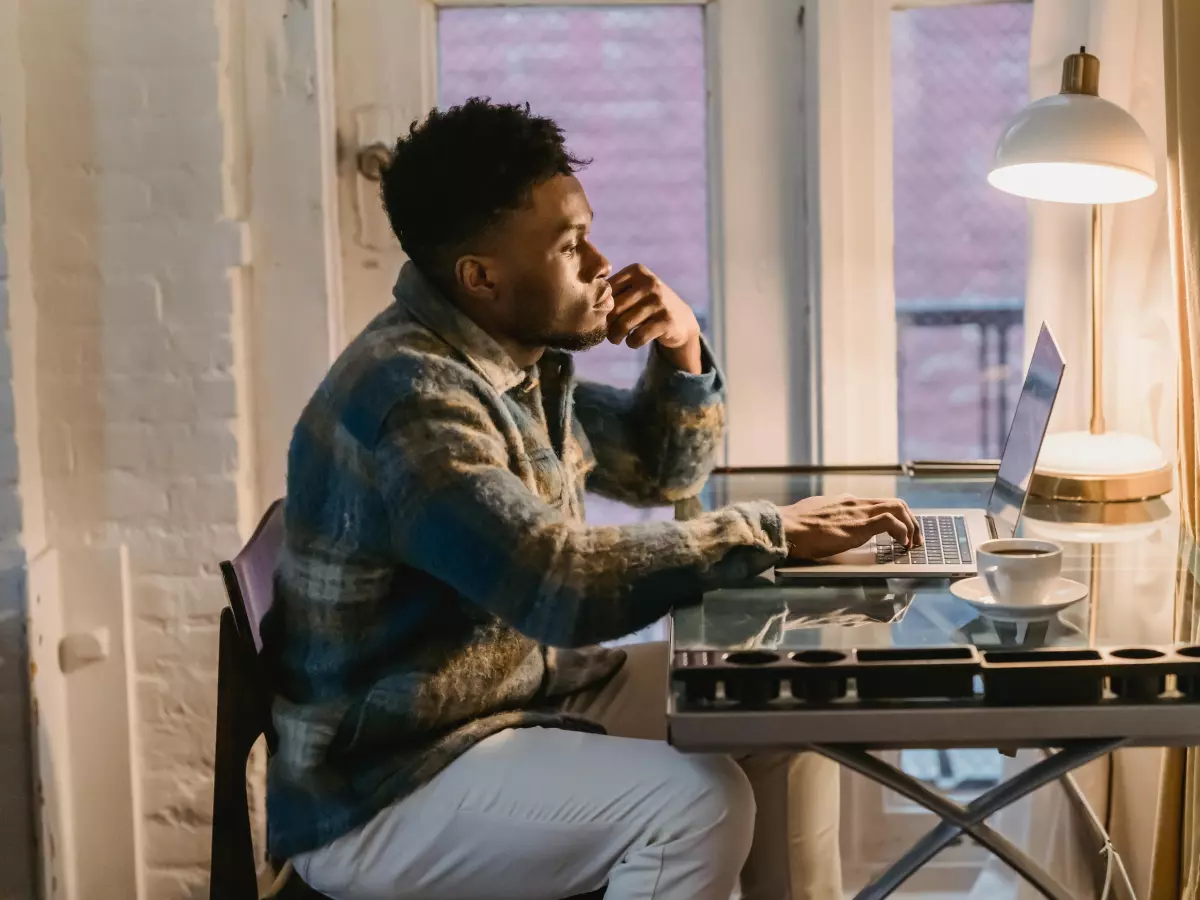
135, 374
16, 824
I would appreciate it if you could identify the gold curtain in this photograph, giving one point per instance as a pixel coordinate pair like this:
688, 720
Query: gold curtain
1175, 868
1176, 863
1181, 56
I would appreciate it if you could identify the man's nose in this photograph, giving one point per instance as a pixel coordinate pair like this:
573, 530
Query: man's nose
605, 266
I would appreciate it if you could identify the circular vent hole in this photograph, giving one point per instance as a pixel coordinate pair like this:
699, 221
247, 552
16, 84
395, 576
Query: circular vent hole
751, 658
818, 656
1138, 653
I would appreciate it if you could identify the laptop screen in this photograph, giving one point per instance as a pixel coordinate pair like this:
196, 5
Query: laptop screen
1025, 435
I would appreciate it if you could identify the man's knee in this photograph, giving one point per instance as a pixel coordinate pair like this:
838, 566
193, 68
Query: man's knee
717, 800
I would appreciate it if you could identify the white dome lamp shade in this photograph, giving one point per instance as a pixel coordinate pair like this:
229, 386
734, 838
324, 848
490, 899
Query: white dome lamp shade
1075, 147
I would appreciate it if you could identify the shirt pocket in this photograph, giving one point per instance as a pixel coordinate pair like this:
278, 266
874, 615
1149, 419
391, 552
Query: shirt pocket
548, 475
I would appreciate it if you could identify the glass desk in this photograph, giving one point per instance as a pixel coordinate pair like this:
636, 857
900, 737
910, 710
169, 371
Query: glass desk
1142, 607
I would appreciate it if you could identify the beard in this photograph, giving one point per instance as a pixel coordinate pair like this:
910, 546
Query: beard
576, 343
544, 317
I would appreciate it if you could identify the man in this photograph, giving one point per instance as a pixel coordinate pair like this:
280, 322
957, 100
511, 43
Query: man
442, 707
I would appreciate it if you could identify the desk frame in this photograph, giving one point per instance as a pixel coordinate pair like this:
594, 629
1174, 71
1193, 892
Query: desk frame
848, 736
957, 819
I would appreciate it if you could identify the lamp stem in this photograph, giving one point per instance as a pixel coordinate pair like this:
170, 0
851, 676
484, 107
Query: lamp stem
1097, 423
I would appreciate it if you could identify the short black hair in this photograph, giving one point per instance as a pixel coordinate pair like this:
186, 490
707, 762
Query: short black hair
456, 174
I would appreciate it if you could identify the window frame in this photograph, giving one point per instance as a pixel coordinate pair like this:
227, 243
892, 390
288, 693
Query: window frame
849, 157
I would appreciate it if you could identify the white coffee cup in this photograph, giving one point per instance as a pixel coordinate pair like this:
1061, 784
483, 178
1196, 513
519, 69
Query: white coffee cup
1019, 571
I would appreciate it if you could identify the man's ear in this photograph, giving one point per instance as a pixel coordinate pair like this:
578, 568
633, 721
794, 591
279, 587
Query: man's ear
476, 277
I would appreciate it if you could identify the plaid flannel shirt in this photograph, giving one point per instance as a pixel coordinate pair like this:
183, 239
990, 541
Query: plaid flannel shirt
438, 583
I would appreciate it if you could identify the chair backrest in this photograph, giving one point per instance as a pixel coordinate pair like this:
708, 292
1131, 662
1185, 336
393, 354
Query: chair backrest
250, 576
243, 706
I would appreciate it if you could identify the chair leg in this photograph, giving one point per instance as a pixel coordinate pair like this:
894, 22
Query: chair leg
232, 874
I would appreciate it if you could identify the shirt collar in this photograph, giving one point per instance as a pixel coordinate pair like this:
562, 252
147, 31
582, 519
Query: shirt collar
425, 303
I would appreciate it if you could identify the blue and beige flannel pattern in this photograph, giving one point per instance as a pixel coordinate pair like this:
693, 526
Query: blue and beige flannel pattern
438, 583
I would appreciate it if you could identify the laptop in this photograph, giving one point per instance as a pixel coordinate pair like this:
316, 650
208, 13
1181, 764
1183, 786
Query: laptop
951, 535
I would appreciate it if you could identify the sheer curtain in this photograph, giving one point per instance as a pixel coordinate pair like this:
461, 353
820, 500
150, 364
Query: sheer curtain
1176, 872
1181, 37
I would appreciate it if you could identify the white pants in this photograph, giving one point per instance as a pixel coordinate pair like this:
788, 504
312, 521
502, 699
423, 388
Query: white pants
544, 814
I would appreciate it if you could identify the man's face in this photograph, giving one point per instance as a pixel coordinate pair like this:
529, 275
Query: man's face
550, 285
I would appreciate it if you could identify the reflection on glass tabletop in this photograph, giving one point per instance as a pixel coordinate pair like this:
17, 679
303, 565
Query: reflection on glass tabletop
1138, 565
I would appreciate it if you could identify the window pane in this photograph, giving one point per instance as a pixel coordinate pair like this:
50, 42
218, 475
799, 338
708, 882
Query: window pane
958, 74
628, 87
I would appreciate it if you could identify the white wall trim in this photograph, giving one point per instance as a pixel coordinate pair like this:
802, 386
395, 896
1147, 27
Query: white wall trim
291, 305
758, 212
385, 60
716, 207
103, 793
848, 93
136, 757
323, 23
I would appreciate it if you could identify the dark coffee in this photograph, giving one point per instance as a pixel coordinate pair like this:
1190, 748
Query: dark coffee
1019, 552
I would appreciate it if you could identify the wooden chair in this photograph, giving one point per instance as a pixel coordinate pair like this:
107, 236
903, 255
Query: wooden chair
244, 713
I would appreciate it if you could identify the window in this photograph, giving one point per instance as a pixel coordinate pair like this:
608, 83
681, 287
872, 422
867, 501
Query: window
627, 84
958, 74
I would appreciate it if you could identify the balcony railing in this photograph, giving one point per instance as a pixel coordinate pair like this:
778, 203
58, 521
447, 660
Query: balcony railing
995, 320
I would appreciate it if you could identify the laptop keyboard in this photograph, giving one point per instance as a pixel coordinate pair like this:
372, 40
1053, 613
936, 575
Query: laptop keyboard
945, 543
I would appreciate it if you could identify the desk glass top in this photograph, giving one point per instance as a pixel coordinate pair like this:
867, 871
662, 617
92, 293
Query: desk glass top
1141, 571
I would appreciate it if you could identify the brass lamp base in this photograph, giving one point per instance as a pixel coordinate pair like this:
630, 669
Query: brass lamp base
1100, 467
1102, 488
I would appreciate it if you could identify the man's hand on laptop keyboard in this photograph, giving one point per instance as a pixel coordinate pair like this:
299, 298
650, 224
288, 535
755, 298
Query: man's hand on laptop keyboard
823, 526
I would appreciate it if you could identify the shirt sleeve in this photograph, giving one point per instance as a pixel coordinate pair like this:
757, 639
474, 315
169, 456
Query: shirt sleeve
458, 513
656, 443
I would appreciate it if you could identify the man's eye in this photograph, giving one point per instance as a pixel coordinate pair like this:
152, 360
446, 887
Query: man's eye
570, 248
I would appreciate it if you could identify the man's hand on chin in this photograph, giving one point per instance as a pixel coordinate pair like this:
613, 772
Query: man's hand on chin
645, 310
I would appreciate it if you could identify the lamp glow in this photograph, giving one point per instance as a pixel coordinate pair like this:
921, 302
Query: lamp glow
1072, 182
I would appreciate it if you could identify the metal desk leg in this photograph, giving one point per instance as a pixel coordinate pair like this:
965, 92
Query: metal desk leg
957, 819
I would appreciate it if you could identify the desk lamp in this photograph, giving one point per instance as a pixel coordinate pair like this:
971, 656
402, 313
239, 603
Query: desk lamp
1075, 147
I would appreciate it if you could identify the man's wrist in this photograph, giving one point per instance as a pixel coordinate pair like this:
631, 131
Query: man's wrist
687, 357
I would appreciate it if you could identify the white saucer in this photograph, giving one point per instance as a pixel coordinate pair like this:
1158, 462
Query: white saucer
1063, 594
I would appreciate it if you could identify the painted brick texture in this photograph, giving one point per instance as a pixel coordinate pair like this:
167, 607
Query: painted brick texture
136, 382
